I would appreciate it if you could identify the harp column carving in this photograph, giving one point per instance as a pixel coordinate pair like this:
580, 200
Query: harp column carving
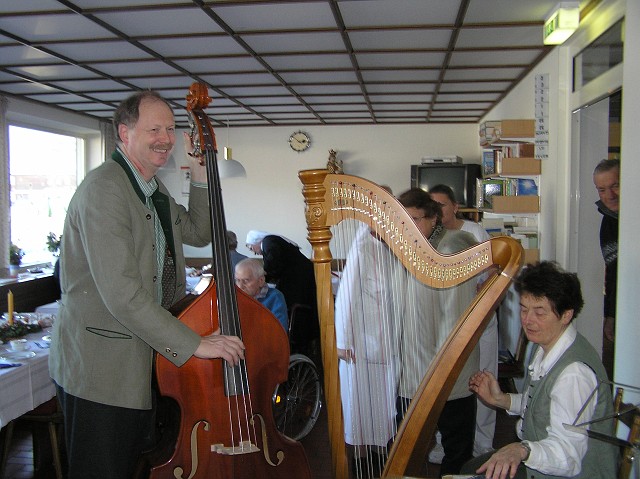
319, 236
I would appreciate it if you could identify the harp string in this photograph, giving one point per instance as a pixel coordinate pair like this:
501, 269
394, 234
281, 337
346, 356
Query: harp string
389, 327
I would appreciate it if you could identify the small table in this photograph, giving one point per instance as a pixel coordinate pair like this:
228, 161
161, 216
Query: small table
27, 386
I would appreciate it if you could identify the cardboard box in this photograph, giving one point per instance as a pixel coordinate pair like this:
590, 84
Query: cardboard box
492, 131
517, 129
520, 166
516, 204
531, 256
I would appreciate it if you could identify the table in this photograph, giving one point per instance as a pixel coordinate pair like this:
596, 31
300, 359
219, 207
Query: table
25, 387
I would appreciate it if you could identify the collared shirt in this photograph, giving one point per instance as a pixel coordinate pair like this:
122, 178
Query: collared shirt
561, 452
148, 188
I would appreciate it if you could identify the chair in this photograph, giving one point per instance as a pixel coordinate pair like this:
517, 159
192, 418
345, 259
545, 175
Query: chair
48, 413
629, 415
514, 367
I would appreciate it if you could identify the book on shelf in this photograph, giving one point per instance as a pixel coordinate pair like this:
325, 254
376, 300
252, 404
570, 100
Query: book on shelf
491, 187
526, 187
488, 162
487, 188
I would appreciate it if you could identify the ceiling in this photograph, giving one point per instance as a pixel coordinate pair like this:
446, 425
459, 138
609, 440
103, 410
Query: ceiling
267, 62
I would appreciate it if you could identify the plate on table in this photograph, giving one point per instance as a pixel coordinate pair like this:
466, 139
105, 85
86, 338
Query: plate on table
11, 355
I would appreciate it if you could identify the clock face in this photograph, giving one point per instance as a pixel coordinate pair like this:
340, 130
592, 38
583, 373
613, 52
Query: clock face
299, 141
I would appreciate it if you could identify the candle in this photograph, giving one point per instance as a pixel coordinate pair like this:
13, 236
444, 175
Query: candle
10, 307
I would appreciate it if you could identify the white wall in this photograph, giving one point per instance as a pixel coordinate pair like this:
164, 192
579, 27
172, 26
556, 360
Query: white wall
627, 323
270, 197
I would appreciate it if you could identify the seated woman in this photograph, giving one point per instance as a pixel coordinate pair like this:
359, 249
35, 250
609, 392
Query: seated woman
250, 278
564, 371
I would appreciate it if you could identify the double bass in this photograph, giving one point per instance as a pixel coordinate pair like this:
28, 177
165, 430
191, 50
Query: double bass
226, 427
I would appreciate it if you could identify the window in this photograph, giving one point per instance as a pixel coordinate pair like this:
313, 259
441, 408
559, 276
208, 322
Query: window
600, 56
43, 174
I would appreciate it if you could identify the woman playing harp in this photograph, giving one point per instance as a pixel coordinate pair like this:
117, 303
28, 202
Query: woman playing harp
339, 202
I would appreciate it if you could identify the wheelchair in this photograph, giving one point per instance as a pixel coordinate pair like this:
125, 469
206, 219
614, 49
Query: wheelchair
298, 401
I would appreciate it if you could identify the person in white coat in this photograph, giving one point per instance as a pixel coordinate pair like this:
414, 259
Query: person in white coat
367, 348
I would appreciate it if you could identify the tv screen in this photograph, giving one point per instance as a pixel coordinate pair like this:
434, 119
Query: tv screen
461, 179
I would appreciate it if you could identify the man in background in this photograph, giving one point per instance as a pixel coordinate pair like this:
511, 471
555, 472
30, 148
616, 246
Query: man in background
606, 178
234, 256
250, 278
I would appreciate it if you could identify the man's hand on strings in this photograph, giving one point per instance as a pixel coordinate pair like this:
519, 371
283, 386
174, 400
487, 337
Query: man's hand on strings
229, 348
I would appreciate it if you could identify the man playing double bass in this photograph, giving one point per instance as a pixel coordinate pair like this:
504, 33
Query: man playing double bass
122, 268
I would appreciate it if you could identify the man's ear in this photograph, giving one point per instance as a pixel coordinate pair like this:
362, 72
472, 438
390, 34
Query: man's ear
123, 133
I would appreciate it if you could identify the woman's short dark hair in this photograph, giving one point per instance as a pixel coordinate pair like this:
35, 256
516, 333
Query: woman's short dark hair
420, 199
547, 280
128, 111
444, 190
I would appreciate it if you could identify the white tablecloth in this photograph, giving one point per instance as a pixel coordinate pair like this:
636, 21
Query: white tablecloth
25, 387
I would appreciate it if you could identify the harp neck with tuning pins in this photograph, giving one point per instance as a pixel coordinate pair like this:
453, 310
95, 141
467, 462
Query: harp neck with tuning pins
334, 200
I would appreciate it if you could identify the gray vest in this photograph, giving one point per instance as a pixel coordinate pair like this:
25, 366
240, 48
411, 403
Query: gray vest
601, 458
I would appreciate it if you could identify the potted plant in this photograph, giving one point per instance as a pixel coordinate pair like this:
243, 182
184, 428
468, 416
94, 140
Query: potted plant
15, 259
15, 255
53, 243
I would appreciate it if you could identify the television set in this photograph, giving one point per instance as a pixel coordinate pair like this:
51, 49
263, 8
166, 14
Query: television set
461, 178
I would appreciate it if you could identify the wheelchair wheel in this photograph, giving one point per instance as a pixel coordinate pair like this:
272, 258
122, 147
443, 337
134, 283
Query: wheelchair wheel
297, 402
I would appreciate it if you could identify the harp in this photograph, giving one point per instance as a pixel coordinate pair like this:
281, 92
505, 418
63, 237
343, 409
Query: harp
331, 199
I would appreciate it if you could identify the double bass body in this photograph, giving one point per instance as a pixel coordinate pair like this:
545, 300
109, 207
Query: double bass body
218, 437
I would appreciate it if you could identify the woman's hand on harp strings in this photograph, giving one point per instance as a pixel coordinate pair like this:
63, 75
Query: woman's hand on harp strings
196, 163
486, 386
229, 348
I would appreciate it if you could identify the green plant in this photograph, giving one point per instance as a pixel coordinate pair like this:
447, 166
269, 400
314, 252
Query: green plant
53, 243
15, 255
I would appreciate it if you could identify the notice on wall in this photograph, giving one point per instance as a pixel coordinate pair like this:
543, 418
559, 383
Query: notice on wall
542, 116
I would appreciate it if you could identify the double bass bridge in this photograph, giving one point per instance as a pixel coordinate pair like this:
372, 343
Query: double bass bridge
244, 447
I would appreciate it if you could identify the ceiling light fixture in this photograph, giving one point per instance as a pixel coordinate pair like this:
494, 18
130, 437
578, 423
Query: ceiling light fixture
561, 23
228, 167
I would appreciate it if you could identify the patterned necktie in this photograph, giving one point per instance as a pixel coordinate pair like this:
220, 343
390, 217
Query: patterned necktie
168, 280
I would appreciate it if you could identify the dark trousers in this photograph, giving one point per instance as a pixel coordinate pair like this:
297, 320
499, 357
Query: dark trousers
103, 442
457, 424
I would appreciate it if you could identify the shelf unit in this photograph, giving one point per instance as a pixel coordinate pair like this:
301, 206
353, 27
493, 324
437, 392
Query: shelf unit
503, 139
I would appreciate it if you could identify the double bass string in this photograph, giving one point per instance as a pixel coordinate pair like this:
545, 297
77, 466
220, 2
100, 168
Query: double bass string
236, 377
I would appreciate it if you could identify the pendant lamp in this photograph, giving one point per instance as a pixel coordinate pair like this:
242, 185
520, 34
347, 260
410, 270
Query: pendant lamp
228, 167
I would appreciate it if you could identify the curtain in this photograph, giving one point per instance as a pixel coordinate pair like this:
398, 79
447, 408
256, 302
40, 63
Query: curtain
108, 138
5, 216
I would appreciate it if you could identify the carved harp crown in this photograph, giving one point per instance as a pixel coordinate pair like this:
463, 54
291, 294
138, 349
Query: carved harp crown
330, 200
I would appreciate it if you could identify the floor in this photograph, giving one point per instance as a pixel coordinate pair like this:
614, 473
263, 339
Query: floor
20, 463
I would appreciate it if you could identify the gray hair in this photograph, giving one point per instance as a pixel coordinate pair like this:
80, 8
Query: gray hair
128, 112
252, 264
606, 165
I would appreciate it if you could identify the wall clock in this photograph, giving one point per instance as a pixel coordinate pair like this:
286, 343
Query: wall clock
299, 141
